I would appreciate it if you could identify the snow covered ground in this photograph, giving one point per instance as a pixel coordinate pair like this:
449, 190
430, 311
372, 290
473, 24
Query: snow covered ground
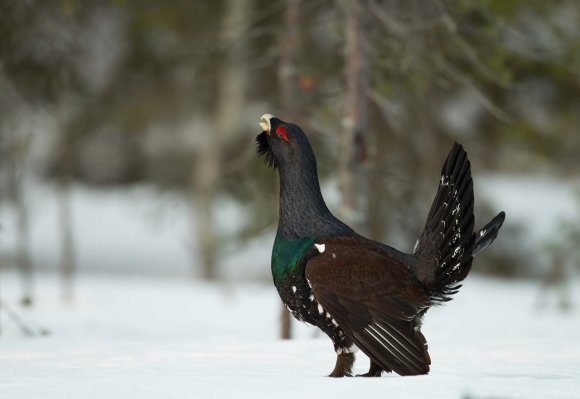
154, 333
173, 338
134, 230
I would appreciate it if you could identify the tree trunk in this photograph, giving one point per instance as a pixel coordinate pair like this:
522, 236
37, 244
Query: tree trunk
65, 218
231, 95
67, 254
375, 209
287, 79
288, 65
23, 225
18, 146
355, 123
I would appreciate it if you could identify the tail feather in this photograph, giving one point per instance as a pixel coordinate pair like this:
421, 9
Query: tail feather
444, 249
488, 233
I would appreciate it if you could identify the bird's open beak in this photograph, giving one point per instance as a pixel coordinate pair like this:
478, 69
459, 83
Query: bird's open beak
265, 122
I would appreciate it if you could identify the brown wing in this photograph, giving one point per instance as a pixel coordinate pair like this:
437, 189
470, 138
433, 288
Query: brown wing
374, 299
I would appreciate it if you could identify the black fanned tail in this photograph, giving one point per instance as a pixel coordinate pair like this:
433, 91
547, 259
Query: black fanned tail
444, 249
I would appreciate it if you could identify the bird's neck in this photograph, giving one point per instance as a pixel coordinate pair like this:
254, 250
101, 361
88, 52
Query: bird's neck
303, 212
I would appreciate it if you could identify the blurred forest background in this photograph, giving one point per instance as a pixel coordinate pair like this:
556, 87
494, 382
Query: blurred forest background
120, 110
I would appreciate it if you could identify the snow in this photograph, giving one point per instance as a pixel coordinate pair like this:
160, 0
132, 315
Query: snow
145, 231
130, 224
538, 203
131, 230
153, 332
175, 338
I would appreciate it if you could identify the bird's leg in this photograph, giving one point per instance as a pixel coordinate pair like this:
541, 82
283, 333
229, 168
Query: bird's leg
343, 367
374, 371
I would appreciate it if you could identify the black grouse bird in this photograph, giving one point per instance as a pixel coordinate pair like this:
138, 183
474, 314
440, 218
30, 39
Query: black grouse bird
362, 293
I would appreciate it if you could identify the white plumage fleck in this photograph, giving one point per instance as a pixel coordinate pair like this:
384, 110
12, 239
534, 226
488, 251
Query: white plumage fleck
320, 309
352, 349
320, 247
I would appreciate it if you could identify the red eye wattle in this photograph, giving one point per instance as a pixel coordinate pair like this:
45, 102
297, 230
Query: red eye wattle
281, 132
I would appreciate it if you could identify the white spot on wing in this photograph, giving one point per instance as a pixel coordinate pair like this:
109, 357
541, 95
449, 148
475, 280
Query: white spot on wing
456, 237
320, 309
294, 289
416, 245
320, 247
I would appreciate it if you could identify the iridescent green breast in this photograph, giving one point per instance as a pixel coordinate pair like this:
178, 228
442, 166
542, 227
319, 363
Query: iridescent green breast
287, 254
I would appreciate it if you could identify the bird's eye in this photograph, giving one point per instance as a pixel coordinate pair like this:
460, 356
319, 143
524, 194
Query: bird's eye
281, 132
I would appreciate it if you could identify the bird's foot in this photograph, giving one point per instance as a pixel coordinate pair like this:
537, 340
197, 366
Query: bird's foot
374, 371
370, 374
336, 374
343, 367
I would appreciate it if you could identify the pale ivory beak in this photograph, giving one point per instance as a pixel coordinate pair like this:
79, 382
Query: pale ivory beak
265, 122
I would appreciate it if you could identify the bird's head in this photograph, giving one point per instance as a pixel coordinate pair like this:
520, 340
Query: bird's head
282, 143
